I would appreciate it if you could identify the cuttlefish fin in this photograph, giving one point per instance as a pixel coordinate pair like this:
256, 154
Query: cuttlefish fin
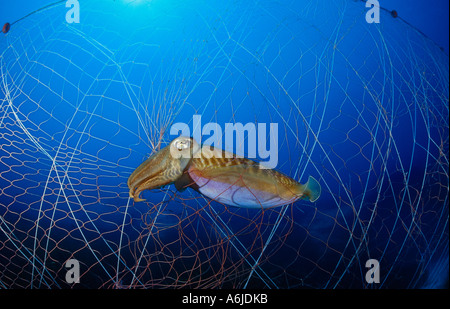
311, 189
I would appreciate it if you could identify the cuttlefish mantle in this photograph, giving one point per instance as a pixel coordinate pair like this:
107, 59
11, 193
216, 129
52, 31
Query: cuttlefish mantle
218, 175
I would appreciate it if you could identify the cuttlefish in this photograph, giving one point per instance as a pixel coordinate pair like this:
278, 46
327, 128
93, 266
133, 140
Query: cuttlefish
218, 175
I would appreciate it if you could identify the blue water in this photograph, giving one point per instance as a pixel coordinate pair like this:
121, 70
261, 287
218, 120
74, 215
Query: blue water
361, 107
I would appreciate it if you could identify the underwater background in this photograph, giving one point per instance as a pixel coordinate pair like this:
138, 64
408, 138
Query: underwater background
363, 108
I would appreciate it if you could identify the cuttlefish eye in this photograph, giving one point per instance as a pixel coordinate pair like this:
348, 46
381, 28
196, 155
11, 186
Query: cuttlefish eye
183, 147
183, 144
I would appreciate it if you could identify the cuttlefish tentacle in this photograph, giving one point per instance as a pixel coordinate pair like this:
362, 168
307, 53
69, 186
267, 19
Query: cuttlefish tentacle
219, 175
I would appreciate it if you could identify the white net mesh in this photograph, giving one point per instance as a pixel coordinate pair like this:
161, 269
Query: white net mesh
361, 107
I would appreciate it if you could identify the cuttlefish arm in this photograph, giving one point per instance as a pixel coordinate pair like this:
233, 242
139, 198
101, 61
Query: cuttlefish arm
162, 168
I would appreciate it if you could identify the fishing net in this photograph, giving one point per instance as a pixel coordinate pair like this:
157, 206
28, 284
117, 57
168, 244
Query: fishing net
361, 107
